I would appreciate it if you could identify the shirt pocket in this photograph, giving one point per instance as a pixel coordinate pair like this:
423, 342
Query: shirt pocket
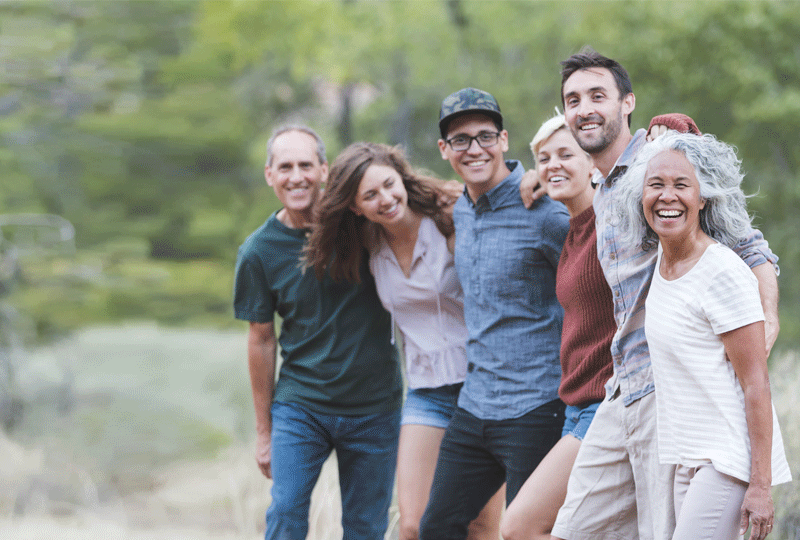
513, 276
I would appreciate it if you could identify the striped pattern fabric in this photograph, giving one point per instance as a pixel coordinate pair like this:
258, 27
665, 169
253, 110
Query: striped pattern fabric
700, 403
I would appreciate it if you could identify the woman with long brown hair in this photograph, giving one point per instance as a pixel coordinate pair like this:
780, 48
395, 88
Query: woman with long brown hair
375, 205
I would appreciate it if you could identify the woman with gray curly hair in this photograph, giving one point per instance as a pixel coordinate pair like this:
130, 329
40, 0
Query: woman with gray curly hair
720, 177
705, 329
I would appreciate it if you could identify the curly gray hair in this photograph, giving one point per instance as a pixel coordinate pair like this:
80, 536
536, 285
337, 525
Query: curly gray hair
724, 217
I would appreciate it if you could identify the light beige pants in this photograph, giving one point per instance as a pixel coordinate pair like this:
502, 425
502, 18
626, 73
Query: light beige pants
707, 504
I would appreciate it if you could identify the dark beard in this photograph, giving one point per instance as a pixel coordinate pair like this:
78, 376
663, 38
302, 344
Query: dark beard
609, 133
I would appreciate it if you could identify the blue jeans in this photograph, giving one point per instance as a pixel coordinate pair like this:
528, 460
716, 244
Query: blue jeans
366, 450
477, 456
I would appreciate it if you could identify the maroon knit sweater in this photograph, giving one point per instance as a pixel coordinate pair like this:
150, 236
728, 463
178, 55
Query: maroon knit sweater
589, 324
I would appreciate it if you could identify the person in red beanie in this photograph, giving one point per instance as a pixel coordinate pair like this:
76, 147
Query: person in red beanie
617, 487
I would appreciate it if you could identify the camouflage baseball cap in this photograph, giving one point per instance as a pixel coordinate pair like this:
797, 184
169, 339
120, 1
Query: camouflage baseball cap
468, 100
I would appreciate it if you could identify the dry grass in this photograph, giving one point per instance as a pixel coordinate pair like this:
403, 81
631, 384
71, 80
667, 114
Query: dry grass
785, 380
48, 491
213, 499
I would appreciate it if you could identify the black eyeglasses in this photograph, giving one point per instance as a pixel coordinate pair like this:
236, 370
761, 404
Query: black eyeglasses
485, 139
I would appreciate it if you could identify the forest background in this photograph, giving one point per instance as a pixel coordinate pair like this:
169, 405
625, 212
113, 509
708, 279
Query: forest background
143, 123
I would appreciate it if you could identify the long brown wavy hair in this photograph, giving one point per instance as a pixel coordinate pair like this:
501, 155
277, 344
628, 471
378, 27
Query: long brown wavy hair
339, 237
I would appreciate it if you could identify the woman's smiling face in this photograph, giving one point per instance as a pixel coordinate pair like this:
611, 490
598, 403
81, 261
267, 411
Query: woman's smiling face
671, 197
564, 169
381, 196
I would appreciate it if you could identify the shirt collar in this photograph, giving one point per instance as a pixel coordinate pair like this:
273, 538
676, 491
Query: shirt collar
507, 191
427, 228
624, 161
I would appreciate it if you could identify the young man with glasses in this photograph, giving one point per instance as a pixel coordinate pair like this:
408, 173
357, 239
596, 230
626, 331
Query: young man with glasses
509, 414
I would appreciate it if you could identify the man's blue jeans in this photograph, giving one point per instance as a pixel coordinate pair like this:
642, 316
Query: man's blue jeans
366, 450
477, 456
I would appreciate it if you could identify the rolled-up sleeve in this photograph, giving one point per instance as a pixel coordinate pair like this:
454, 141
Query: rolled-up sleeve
754, 251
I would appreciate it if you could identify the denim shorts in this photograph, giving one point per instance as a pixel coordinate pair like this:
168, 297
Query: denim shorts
578, 419
430, 406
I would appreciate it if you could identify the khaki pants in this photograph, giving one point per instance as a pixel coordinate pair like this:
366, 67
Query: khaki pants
618, 488
707, 504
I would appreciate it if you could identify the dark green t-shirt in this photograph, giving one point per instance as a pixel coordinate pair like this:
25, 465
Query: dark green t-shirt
335, 337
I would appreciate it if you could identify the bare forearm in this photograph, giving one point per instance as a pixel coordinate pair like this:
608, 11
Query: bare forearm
768, 291
744, 348
261, 360
758, 411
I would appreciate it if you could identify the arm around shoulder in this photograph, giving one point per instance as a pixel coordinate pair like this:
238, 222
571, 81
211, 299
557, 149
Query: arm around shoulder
531, 188
554, 229
755, 252
768, 291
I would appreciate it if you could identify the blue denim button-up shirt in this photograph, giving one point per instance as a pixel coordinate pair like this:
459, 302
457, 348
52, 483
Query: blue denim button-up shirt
629, 271
506, 257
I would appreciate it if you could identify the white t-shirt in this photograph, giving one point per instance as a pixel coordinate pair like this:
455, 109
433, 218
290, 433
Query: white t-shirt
428, 307
700, 403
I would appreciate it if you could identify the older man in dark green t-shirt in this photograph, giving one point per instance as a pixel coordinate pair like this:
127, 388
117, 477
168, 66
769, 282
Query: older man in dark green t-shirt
339, 385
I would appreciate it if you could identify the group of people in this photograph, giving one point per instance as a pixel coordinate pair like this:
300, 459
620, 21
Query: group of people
536, 317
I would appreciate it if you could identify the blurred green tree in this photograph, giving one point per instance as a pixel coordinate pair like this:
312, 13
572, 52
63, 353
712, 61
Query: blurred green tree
144, 123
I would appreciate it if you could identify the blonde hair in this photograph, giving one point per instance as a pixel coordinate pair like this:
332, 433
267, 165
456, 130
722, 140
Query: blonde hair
548, 129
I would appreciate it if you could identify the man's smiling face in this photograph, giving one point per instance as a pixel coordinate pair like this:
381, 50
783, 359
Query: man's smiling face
480, 168
295, 172
594, 109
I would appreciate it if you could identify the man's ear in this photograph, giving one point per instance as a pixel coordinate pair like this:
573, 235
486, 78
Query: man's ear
324, 168
628, 104
504, 141
443, 149
268, 175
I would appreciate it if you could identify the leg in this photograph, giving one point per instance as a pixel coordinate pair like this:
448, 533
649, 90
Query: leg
487, 525
653, 481
416, 463
426, 415
300, 445
601, 495
707, 504
534, 510
366, 448
532, 513
466, 477
521, 443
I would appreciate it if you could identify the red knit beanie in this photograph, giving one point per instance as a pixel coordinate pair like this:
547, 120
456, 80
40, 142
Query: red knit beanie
677, 121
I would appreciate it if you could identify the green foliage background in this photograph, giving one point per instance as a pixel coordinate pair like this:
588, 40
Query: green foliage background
144, 123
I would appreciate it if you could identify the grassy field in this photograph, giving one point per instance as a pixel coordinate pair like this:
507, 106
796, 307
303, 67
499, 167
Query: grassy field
140, 432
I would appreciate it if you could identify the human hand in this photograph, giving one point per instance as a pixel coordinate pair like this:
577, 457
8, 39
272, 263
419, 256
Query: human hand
531, 188
664, 122
656, 131
448, 193
264, 454
758, 511
772, 327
